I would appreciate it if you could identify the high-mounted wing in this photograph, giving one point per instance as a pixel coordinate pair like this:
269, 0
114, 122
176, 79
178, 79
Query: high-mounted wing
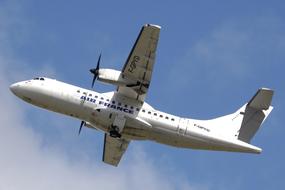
114, 148
139, 64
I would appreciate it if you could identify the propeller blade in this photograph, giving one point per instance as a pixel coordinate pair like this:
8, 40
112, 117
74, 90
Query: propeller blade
98, 62
93, 81
81, 125
95, 71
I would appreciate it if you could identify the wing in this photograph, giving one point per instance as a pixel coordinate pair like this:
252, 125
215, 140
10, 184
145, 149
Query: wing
139, 64
114, 149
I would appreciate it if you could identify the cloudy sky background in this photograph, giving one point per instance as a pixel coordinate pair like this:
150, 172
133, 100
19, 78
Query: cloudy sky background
211, 58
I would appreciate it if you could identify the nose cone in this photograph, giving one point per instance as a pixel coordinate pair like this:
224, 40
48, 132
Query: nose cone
15, 88
18, 89
22, 90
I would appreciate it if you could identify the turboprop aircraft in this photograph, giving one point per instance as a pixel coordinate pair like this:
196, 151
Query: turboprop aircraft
123, 115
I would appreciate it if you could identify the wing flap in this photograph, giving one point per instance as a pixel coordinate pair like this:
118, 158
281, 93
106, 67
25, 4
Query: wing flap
114, 148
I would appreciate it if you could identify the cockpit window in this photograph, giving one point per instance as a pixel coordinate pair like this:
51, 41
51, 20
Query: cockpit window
39, 78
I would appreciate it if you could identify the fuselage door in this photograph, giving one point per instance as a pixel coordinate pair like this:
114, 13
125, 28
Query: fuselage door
182, 126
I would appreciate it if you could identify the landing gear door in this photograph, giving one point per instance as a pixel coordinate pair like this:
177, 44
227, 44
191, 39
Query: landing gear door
182, 126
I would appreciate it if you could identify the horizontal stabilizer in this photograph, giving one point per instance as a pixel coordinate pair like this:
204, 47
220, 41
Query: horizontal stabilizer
262, 99
256, 111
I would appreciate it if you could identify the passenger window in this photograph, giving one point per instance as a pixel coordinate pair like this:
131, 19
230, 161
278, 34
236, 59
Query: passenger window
107, 100
172, 119
160, 115
90, 94
166, 117
155, 114
96, 96
138, 109
126, 105
143, 110
119, 103
102, 98
149, 112
42, 79
132, 107
113, 102
78, 91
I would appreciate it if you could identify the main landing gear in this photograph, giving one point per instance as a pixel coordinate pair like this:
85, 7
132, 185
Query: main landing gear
114, 132
117, 126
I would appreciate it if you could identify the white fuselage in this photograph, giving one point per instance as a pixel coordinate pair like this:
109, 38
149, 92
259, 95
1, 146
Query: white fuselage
142, 121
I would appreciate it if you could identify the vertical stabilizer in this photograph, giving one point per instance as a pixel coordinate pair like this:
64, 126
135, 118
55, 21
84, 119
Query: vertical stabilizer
244, 123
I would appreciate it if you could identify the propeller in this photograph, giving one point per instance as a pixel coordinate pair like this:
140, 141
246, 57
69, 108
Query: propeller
81, 125
95, 71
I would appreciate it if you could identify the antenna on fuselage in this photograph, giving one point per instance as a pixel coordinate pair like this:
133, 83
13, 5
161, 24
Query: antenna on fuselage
95, 71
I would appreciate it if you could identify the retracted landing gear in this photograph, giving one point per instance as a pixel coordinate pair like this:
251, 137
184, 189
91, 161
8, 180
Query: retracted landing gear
117, 126
114, 132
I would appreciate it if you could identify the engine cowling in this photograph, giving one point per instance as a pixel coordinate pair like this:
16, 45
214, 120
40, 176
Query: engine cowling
115, 77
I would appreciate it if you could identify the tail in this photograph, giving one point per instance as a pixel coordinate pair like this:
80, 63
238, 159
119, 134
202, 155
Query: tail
245, 122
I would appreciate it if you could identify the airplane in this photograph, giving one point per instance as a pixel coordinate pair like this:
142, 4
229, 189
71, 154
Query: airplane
123, 115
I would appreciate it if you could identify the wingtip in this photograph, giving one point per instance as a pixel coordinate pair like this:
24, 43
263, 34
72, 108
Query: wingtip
153, 25
257, 150
264, 88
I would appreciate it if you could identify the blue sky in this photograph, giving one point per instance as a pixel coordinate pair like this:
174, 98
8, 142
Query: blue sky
211, 58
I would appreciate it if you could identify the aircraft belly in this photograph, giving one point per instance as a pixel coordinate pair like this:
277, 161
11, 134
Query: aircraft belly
104, 118
177, 140
195, 141
135, 133
171, 135
129, 132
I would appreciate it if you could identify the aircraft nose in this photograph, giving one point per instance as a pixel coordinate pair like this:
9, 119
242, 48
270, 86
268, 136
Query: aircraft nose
15, 88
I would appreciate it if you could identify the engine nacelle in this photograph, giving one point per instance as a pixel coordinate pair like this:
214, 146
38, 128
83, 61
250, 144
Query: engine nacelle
115, 77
